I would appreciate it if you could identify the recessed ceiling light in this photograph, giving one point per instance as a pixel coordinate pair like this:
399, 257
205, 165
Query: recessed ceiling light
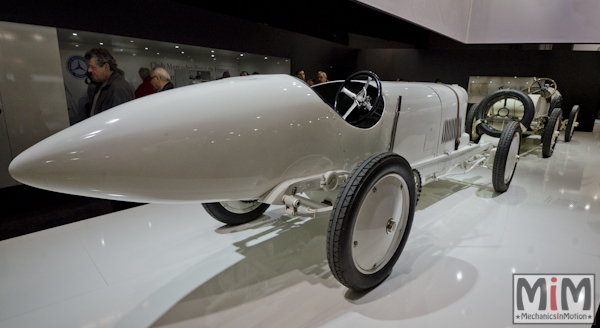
146, 48
158, 53
131, 41
265, 57
77, 45
101, 43
134, 54
75, 34
182, 52
212, 55
241, 55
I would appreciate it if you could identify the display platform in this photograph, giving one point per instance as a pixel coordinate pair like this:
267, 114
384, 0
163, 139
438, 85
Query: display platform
175, 266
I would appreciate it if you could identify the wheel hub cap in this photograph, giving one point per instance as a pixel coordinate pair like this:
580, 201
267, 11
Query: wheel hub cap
391, 226
380, 223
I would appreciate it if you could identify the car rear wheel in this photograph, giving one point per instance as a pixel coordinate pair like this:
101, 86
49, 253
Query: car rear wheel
572, 123
470, 127
501, 107
507, 156
371, 221
551, 132
236, 212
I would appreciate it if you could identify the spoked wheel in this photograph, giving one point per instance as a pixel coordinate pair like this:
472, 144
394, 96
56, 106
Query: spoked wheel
471, 127
572, 123
502, 107
237, 211
355, 107
371, 221
551, 133
507, 156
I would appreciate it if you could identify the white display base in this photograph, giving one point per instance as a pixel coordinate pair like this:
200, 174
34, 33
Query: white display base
174, 266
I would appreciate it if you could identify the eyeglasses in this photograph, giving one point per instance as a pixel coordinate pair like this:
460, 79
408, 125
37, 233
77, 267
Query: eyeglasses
152, 77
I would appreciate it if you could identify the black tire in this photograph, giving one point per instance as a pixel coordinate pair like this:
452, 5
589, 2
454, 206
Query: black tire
571, 124
507, 152
220, 212
548, 137
555, 102
418, 186
470, 129
486, 104
353, 235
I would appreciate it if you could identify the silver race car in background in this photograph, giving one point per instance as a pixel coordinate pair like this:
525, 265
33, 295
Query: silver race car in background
360, 148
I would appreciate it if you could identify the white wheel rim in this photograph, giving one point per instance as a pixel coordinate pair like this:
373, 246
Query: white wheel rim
511, 159
573, 123
239, 206
374, 240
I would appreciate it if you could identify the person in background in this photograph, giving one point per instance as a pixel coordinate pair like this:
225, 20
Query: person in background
226, 75
244, 73
160, 79
321, 77
146, 87
300, 74
111, 89
310, 82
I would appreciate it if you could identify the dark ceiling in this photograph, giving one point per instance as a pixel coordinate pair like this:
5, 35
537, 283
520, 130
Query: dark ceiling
330, 20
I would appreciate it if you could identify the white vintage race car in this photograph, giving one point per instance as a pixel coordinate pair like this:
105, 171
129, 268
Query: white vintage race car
360, 148
537, 108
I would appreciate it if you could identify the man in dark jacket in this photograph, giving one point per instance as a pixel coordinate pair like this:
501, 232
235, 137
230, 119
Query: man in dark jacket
160, 79
112, 89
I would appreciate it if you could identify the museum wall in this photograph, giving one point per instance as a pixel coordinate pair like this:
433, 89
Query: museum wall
173, 22
576, 72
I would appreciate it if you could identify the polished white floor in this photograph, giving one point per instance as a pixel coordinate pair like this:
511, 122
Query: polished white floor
174, 266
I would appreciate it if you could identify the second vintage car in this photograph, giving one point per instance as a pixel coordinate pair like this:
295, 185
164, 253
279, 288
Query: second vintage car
538, 108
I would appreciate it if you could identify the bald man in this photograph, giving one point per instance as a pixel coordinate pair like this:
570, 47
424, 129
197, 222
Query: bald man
160, 79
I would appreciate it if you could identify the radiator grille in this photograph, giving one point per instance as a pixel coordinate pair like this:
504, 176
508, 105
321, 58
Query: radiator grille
450, 129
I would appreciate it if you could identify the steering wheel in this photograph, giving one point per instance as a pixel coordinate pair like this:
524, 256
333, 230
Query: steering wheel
543, 90
363, 103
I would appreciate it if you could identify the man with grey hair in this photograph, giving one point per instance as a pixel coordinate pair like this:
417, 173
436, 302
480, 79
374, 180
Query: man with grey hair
321, 77
160, 79
111, 89
146, 87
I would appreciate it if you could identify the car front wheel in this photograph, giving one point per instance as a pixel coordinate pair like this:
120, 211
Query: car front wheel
371, 221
